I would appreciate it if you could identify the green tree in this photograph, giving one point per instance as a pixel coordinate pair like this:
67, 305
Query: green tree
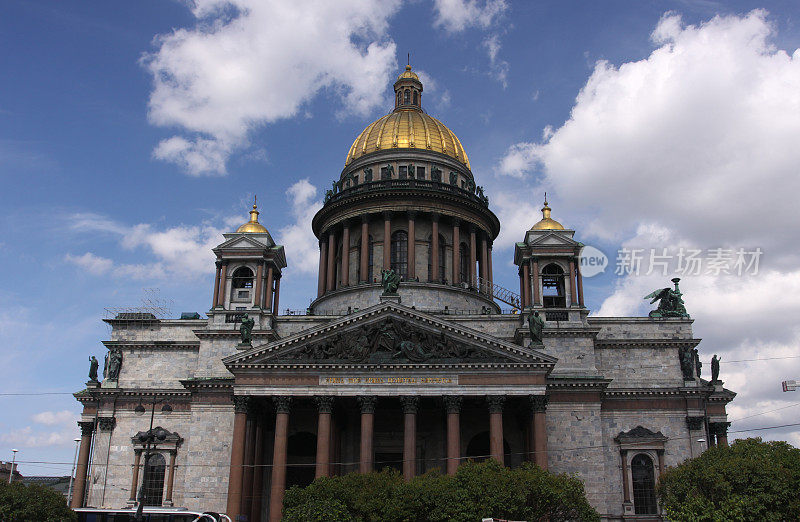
750, 480
21, 503
476, 491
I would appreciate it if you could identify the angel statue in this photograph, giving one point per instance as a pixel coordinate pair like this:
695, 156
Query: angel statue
390, 281
670, 302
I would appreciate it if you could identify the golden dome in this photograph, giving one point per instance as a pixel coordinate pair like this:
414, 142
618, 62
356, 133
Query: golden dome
408, 73
253, 226
407, 127
547, 223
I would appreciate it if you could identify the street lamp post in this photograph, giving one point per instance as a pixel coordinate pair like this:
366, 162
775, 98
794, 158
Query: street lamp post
13, 461
74, 464
149, 439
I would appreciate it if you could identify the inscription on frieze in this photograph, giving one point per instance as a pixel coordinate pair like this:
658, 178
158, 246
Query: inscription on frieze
388, 380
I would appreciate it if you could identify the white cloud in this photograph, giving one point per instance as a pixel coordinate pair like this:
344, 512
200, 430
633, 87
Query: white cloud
182, 251
54, 418
302, 250
94, 264
499, 67
458, 15
30, 437
694, 146
247, 63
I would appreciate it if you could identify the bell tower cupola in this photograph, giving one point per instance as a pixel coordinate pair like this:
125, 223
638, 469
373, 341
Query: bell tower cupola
408, 91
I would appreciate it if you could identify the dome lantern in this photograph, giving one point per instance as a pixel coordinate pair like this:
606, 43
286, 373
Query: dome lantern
547, 223
253, 226
408, 91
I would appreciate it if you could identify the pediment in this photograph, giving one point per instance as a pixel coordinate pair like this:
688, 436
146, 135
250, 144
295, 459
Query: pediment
245, 242
552, 239
389, 334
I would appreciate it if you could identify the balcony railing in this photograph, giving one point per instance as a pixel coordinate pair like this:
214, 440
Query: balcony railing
389, 184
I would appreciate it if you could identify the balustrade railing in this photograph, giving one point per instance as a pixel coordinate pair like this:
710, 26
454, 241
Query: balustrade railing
410, 183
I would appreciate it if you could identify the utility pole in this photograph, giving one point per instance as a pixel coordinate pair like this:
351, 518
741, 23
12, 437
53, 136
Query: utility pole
74, 464
13, 461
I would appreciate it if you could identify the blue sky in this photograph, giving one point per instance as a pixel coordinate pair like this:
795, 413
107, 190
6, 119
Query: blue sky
133, 134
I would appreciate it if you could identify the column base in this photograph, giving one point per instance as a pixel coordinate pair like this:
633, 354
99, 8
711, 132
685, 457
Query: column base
627, 508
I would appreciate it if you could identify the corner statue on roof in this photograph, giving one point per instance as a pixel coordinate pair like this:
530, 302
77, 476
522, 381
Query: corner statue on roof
536, 325
93, 365
390, 281
670, 302
246, 329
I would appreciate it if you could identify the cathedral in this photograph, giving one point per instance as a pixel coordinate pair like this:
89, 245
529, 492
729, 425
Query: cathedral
410, 357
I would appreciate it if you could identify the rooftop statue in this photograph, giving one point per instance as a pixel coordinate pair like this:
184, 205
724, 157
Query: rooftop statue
114, 364
93, 365
670, 302
246, 329
715, 370
536, 325
390, 281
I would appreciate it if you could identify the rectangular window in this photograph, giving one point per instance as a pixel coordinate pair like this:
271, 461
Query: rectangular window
243, 294
420, 172
403, 172
385, 173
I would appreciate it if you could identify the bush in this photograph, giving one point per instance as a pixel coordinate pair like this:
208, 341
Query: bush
21, 503
750, 480
476, 491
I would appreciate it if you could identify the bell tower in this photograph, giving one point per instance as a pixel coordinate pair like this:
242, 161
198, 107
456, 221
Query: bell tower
549, 270
248, 275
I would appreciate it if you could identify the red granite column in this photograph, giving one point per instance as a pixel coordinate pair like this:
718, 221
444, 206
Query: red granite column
364, 256
323, 254
491, 274
170, 479
473, 257
537, 300
580, 286
625, 480
367, 403
452, 404
216, 285
247, 467
456, 252
387, 240
258, 470
268, 289
240, 406
539, 428
484, 264
331, 282
496, 427
137, 459
410, 406
346, 255
526, 284
434, 275
223, 277
79, 487
573, 294
259, 283
276, 301
521, 287
412, 246
278, 485
324, 407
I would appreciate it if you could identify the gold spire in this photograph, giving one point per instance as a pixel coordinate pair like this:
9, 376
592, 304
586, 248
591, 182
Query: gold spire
547, 223
253, 226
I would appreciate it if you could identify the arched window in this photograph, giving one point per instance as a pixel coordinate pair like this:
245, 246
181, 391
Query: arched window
406, 96
644, 485
416, 98
441, 258
553, 287
243, 277
399, 256
463, 269
370, 258
154, 480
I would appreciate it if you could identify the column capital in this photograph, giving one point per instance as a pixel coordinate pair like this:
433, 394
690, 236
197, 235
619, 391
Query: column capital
241, 403
435, 216
452, 403
367, 403
456, 222
539, 403
495, 403
282, 403
324, 403
719, 428
365, 218
106, 423
87, 427
410, 403
387, 214
218, 263
695, 422
412, 214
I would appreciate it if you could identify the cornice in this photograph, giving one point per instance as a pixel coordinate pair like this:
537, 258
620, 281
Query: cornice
378, 367
155, 345
645, 343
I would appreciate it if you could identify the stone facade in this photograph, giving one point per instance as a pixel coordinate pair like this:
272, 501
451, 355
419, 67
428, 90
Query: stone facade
439, 373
